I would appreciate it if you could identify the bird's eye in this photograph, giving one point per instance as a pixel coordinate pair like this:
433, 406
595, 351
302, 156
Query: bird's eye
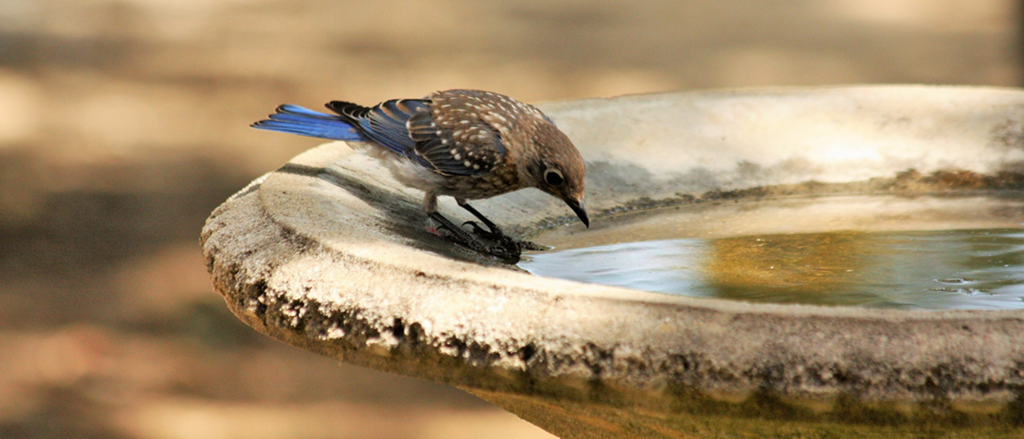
553, 177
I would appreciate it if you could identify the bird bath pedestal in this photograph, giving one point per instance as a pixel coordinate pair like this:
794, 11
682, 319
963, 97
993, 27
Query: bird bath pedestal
329, 254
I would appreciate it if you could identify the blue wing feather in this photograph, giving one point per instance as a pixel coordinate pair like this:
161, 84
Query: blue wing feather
385, 123
289, 108
294, 119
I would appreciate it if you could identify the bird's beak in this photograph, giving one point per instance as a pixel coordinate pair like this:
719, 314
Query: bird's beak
581, 211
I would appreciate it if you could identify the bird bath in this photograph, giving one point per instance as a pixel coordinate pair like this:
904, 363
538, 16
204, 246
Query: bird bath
329, 254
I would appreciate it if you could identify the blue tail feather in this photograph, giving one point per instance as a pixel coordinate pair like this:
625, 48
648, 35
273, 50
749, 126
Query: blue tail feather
294, 119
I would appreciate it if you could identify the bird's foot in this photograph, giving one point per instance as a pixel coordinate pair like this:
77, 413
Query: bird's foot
505, 250
494, 234
489, 243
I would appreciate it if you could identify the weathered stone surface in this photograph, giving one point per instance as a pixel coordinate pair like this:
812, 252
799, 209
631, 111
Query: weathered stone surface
329, 254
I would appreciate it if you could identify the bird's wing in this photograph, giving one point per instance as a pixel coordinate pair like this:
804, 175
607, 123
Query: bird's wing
456, 147
385, 123
407, 127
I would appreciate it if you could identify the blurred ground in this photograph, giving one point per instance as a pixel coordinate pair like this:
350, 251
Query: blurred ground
123, 123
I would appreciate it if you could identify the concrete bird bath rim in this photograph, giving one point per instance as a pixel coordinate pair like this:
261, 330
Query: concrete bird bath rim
329, 254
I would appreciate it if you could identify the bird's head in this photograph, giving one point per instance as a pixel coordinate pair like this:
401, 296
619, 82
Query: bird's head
558, 169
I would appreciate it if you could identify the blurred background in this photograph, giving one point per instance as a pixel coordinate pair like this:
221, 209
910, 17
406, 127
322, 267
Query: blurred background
124, 123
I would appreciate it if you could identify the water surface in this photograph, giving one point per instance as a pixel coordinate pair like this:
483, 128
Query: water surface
907, 256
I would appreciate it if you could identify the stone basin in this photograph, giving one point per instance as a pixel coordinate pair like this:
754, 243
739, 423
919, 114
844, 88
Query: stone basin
330, 254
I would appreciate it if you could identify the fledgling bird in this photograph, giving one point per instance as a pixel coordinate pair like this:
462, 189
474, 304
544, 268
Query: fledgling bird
467, 144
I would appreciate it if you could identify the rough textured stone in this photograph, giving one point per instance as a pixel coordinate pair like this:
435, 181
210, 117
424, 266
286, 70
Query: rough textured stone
329, 254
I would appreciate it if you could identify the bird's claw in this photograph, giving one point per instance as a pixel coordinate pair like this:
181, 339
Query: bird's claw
484, 237
495, 234
507, 250
490, 233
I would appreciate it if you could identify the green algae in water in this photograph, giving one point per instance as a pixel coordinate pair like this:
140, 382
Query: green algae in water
872, 251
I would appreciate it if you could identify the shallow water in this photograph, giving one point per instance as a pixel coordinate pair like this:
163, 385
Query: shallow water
906, 261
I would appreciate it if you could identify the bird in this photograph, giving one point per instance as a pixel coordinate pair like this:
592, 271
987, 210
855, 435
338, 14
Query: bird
466, 144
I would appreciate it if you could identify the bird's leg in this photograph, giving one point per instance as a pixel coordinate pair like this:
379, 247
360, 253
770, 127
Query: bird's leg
495, 233
494, 230
506, 249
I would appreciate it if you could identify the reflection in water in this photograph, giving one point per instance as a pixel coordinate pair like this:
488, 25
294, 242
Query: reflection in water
958, 269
